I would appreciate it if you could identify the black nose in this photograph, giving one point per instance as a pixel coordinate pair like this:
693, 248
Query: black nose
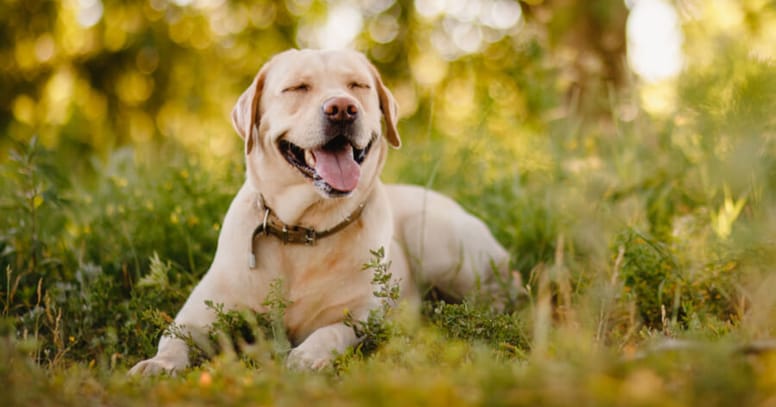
340, 109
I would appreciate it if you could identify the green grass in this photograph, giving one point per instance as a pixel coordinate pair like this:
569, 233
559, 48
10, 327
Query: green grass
646, 250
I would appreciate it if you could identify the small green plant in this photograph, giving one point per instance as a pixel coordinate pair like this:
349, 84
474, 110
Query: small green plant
478, 322
377, 328
275, 327
30, 257
649, 272
237, 329
667, 291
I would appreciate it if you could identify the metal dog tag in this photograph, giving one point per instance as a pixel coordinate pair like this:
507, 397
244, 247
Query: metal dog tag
252, 255
251, 260
262, 228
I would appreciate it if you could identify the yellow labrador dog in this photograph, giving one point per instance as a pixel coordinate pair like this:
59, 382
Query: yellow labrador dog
313, 206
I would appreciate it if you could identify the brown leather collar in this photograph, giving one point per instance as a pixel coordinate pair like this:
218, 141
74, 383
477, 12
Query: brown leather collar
272, 225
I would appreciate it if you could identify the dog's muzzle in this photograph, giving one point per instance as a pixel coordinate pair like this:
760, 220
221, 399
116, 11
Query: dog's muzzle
335, 166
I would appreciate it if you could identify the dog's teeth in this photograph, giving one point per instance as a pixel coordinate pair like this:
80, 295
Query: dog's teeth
309, 158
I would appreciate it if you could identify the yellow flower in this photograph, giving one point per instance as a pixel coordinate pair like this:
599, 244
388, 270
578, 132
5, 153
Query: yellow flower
37, 201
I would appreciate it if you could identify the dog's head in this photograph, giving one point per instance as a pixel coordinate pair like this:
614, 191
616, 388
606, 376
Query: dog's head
313, 119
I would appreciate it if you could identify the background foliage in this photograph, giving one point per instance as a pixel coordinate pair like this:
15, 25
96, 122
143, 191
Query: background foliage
640, 215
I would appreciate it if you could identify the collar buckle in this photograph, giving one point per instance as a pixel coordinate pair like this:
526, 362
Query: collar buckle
310, 236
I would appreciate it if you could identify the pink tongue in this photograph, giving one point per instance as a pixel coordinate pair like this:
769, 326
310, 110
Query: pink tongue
338, 168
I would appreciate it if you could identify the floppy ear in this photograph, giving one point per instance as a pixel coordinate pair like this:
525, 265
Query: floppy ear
389, 108
245, 114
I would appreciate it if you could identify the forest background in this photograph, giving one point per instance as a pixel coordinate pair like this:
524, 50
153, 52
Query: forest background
623, 151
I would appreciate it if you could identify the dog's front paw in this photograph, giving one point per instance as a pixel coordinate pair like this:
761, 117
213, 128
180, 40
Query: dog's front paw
309, 358
155, 366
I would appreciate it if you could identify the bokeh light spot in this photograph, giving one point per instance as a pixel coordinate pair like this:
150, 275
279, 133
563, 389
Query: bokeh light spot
654, 40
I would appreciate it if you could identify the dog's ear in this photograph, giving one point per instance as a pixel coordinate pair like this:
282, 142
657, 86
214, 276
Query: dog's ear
389, 108
245, 114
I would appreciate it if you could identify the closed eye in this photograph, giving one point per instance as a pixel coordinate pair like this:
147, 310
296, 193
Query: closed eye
302, 87
358, 85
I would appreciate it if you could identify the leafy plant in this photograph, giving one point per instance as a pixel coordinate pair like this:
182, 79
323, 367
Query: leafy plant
377, 328
479, 322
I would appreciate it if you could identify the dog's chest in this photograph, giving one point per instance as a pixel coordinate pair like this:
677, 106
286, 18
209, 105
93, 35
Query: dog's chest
324, 281
323, 289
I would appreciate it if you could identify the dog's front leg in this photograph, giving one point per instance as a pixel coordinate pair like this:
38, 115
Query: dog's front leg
192, 321
172, 357
318, 350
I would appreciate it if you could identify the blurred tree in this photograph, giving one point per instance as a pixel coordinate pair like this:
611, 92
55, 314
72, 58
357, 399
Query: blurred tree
88, 76
588, 40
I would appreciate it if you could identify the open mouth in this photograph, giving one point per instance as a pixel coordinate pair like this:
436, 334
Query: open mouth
335, 167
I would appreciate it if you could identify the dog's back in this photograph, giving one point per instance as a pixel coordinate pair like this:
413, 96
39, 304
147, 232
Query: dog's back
446, 247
